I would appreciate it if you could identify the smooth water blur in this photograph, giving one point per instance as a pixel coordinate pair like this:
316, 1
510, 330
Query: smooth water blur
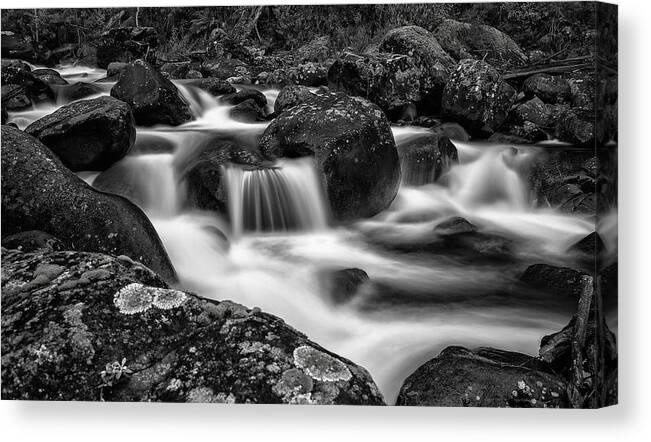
275, 245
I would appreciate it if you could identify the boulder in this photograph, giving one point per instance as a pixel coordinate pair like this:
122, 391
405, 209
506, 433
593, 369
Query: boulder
453, 131
391, 81
14, 97
306, 74
225, 68
425, 159
91, 327
428, 55
40, 193
214, 86
353, 146
244, 95
248, 111
591, 245
484, 377
464, 40
19, 74
454, 226
290, 96
533, 111
87, 134
116, 68
126, 44
153, 98
477, 97
549, 88
342, 284
559, 281
33, 240
49, 76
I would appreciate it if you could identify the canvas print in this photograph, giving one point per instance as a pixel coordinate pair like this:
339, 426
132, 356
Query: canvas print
376, 204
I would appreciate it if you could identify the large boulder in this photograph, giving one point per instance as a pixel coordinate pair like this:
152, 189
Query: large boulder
40, 193
464, 40
351, 141
290, 96
126, 44
477, 97
87, 134
391, 81
18, 73
425, 159
14, 97
90, 327
49, 76
428, 55
152, 97
485, 377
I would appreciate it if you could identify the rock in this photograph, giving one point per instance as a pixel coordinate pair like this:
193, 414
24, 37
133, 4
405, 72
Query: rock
477, 97
316, 50
33, 240
454, 226
559, 281
14, 97
13, 46
534, 111
484, 377
246, 94
388, 80
225, 68
464, 40
591, 245
77, 91
19, 74
49, 76
203, 174
427, 53
153, 99
87, 134
453, 131
87, 326
550, 89
116, 68
353, 146
425, 159
248, 111
126, 44
342, 284
40, 193
500, 138
306, 74
576, 127
214, 86
290, 96
193, 73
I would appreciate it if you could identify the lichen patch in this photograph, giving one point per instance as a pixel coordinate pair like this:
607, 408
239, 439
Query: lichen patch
320, 366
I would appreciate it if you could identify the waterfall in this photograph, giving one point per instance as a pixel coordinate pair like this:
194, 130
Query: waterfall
198, 99
287, 197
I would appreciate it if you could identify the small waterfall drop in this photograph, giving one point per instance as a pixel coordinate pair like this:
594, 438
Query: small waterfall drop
198, 99
287, 197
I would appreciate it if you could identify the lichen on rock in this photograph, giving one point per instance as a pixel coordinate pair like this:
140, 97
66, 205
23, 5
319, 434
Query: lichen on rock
319, 365
138, 298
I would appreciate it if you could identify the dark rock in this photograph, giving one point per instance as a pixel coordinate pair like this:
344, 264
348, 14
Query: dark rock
477, 97
193, 74
126, 44
576, 127
500, 138
534, 111
78, 91
427, 53
454, 226
354, 149
248, 111
316, 50
153, 99
246, 94
391, 81
306, 74
484, 377
14, 97
225, 69
214, 86
17, 73
40, 193
290, 96
87, 134
590, 245
550, 89
559, 281
453, 131
426, 158
49, 76
464, 40
33, 240
116, 68
344, 283
4, 114
82, 326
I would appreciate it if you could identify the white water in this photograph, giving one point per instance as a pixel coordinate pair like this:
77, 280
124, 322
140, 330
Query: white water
425, 302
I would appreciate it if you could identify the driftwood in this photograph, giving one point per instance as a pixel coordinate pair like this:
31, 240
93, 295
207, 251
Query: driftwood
560, 66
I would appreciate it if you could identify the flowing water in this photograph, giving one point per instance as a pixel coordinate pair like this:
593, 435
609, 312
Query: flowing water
273, 248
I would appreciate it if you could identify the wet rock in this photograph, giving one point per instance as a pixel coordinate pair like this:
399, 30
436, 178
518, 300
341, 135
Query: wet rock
40, 193
454, 226
78, 90
464, 40
559, 281
391, 81
116, 68
351, 141
426, 159
14, 97
248, 111
152, 98
214, 86
550, 89
501, 138
87, 134
95, 327
590, 245
435, 63
453, 131
126, 44
246, 94
342, 284
33, 240
49, 76
290, 96
483, 377
17, 73
477, 97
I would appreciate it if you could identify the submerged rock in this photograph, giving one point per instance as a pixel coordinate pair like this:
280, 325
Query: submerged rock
87, 134
477, 96
426, 159
559, 281
82, 326
351, 141
342, 284
484, 377
153, 98
40, 193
